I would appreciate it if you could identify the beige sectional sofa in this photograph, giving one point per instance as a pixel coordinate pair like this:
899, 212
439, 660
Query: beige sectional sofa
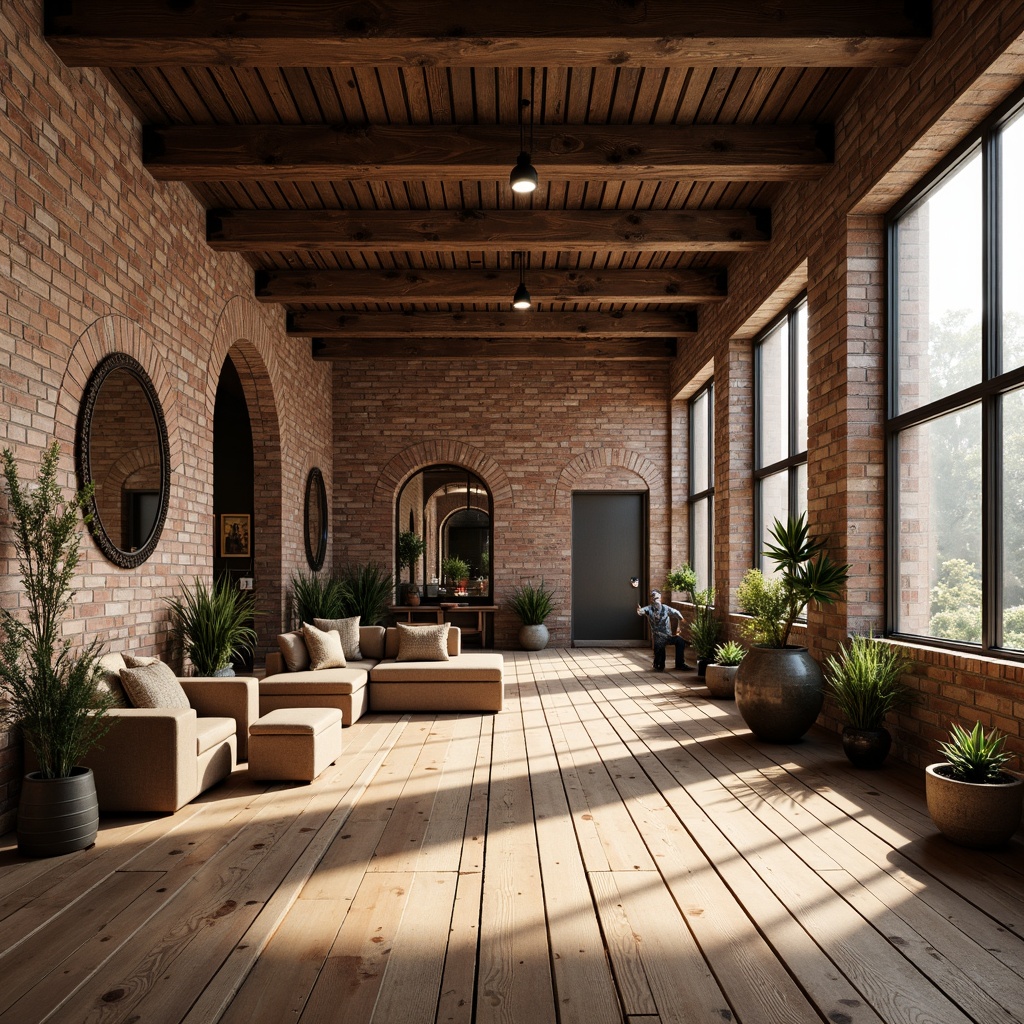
379, 682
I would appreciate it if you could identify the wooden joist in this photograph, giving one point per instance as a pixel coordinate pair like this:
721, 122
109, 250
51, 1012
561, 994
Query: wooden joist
489, 231
324, 33
455, 349
479, 152
511, 324
651, 286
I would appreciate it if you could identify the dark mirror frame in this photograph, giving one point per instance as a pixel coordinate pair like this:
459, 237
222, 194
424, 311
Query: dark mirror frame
120, 361
315, 490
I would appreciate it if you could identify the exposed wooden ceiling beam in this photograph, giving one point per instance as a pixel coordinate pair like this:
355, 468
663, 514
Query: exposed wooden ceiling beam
488, 231
515, 323
482, 286
408, 152
324, 33
464, 349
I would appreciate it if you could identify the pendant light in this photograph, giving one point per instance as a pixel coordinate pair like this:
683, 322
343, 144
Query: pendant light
521, 299
523, 178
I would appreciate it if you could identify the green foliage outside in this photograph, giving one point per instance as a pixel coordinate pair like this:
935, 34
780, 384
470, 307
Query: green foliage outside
47, 689
532, 604
682, 580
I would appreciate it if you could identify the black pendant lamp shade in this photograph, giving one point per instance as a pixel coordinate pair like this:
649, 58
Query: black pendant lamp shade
523, 178
521, 299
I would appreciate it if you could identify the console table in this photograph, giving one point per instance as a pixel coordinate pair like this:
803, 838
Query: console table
482, 615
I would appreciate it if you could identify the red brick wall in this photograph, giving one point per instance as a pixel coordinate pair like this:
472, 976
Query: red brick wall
95, 256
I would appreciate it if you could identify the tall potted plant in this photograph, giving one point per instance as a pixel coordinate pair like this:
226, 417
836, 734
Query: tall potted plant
705, 629
456, 572
533, 605
410, 549
213, 625
46, 688
779, 687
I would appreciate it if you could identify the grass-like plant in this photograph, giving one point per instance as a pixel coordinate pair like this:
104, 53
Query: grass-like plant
46, 688
532, 604
975, 756
730, 653
864, 680
212, 624
317, 595
366, 590
705, 628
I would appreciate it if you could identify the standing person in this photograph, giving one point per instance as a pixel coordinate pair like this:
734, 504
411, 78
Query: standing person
664, 621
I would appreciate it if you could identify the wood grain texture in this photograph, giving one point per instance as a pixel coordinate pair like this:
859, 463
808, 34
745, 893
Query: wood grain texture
463, 348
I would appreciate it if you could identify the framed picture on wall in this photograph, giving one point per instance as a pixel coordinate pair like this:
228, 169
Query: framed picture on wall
235, 536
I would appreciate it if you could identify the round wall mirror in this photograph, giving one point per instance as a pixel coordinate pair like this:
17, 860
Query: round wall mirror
316, 519
122, 449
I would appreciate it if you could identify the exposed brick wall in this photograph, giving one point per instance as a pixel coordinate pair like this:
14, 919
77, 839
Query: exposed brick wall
96, 257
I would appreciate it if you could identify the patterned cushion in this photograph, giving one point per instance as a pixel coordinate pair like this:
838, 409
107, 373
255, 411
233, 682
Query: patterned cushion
108, 680
422, 643
136, 661
324, 646
153, 686
294, 651
349, 631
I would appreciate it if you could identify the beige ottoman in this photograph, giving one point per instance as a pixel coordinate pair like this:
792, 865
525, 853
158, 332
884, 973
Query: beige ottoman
294, 743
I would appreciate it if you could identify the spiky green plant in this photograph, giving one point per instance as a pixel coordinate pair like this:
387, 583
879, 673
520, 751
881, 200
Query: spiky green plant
212, 625
47, 689
864, 680
366, 591
975, 756
532, 604
730, 653
705, 628
317, 595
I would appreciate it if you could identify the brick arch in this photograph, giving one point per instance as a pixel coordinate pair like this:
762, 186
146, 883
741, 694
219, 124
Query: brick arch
245, 336
595, 464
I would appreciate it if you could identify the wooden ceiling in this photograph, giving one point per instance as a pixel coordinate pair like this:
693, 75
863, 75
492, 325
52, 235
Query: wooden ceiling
358, 154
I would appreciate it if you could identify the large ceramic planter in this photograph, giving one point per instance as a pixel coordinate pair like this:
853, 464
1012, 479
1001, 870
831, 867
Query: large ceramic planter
721, 681
866, 748
980, 814
533, 638
57, 816
779, 692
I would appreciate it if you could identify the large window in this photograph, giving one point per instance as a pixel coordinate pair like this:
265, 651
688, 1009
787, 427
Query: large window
702, 484
956, 405
780, 415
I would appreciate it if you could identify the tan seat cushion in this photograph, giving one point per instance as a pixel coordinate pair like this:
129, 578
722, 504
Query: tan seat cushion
391, 642
108, 680
473, 668
328, 680
295, 721
293, 649
211, 731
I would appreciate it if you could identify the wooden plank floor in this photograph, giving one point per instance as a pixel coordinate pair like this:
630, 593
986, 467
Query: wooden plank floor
613, 847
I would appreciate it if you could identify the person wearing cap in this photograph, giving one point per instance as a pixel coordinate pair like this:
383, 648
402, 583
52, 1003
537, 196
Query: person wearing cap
664, 620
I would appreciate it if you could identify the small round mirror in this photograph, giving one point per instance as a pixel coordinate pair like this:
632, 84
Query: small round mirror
122, 450
316, 519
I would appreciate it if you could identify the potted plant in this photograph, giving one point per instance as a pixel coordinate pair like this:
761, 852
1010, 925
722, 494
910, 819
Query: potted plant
720, 677
780, 687
971, 798
366, 590
682, 581
47, 689
316, 596
705, 629
533, 605
864, 680
455, 571
410, 549
212, 625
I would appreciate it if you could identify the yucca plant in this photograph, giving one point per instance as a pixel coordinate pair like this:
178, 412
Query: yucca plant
317, 596
864, 680
532, 604
366, 591
46, 688
212, 624
730, 653
975, 756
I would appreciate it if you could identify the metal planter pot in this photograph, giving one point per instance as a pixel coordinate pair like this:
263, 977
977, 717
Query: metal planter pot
779, 692
57, 816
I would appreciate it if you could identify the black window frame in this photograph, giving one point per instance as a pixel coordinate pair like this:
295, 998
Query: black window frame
708, 493
986, 139
794, 459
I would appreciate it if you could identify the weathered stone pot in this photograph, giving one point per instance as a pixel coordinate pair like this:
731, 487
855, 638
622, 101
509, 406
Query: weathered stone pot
779, 692
866, 748
533, 638
57, 816
721, 681
227, 670
979, 814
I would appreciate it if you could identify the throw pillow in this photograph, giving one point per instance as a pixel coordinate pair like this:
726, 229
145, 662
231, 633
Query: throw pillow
349, 631
294, 651
153, 686
135, 661
423, 643
324, 646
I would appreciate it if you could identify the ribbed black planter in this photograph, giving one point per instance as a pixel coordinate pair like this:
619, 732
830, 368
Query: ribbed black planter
779, 692
57, 816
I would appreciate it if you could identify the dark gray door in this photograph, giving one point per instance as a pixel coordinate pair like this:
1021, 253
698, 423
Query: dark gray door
608, 547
